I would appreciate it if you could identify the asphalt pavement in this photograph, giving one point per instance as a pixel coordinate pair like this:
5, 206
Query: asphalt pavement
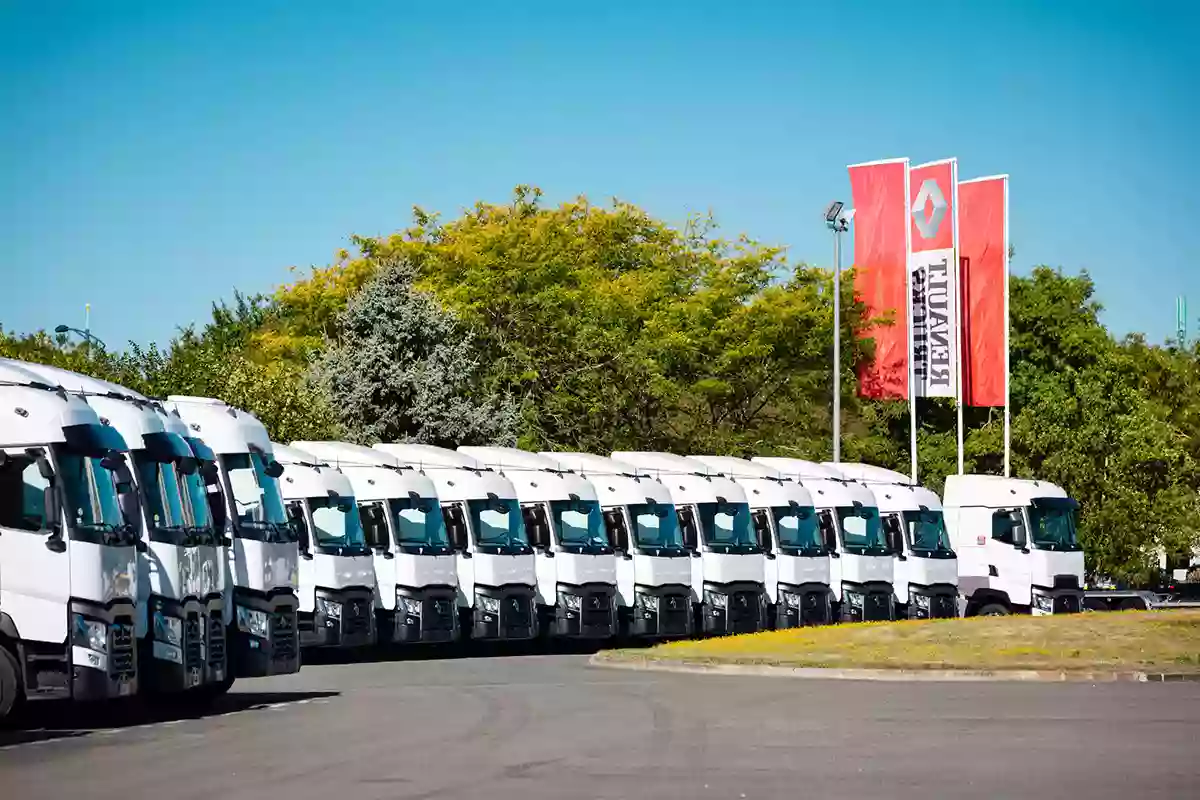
539, 726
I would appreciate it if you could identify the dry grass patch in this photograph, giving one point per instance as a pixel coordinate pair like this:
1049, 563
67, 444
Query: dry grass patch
1123, 641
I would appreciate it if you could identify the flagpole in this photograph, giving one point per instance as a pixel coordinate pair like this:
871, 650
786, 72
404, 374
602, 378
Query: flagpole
912, 384
1007, 325
958, 316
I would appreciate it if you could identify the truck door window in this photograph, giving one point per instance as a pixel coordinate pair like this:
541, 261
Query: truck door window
687, 525
537, 527
828, 530
370, 516
614, 520
1008, 526
762, 529
22, 494
456, 525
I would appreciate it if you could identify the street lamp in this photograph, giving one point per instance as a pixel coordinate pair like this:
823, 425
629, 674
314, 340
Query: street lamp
837, 219
88, 338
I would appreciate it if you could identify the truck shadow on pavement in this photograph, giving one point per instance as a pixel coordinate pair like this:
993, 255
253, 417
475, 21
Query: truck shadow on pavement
43, 721
457, 650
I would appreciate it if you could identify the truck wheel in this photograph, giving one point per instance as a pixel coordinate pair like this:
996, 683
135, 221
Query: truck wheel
993, 610
10, 682
1132, 604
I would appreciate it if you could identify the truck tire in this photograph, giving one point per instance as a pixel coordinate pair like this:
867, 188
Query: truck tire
1132, 604
10, 682
993, 610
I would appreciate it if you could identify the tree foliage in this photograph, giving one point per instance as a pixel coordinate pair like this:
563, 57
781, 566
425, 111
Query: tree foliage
591, 327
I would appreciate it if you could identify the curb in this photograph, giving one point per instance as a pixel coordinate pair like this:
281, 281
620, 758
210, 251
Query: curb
829, 673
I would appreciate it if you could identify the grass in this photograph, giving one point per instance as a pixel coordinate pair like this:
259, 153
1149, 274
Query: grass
1141, 641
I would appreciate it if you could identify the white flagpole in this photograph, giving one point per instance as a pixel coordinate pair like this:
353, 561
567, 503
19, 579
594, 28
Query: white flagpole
1007, 324
958, 315
912, 386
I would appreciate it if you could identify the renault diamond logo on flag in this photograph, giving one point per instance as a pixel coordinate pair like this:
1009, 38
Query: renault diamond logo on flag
929, 220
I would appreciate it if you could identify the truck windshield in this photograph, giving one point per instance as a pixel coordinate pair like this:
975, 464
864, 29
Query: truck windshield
862, 533
91, 499
926, 531
656, 527
499, 527
580, 526
796, 527
727, 527
1052, 521
159, 483
257, 503
419, 523
336, 525
195, 503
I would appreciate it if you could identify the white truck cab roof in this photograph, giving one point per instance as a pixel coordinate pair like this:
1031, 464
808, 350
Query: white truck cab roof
305, 475
689, 480
456, 475
893, 491
828, 488
374, 474
765, 486
995, 491
34, 411
616, 483
225, 429
536, 477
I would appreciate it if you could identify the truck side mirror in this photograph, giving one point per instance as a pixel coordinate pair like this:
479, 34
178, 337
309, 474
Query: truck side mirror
210, 473
895, 536
300, 529
828, 533
53, 511
456, 527
762, 530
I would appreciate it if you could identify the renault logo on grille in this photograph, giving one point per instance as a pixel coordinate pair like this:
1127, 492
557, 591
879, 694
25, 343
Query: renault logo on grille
516, 604
928, 221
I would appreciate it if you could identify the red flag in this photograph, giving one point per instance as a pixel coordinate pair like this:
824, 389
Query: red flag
983, 250
880, 194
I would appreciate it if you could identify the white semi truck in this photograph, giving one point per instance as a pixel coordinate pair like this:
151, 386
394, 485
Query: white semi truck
728, 570
785, 522
337, 572
68, 548
863, 565
497, 580
574, 560
926, 568
415, 565
261, 560
176, 578
653, 567
1016, 543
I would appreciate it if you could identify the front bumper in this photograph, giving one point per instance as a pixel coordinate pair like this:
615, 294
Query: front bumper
932, 602
809, 604
275, 653
508, 612
734, 608
341, 618
104, 675
174, 663
429, 614
585, 612
662, 611
867, 602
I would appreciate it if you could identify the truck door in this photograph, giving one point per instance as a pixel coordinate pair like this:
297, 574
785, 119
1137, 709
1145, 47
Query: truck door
765, 533
1008, 553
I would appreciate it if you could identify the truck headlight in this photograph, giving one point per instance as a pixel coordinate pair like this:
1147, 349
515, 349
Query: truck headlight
716, 599
649, 602
411, 606
168, 629
921, 601
330, 608
489, 604
791, 599
854, 599
253, 622
571, 601
89, 633
1043, 603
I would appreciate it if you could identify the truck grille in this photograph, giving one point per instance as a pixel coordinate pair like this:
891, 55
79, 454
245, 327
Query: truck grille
283, 635
437, 614
595, 611
122, 665
744, 611
943, 606
216, 640
356, 617
193, 641
1066, 604
877, 606
673, 612
515, 613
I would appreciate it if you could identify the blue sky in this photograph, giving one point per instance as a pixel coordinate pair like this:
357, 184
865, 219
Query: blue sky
155, 155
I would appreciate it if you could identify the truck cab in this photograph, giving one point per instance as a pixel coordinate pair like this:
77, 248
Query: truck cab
797, 564
574, 560
728, 571
653, 567
68, 548
862, 565
1017, 546
415, 571
174, 578
926, 568
337, 575
497, 579
261, 561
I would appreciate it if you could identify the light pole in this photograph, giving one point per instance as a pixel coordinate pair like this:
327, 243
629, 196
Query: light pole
88, 338
837, 219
